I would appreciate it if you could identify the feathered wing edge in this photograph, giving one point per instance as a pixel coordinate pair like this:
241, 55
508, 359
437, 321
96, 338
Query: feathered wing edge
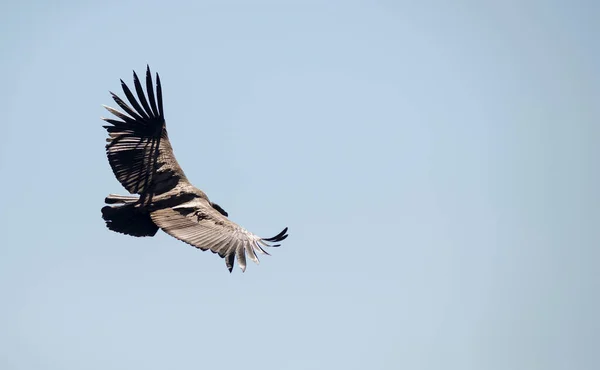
257, 247
277, 238
239, 251
134, 140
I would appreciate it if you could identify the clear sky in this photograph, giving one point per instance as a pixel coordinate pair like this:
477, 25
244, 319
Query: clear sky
435, 161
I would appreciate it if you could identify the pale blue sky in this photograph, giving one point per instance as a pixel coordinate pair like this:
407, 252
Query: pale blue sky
436, 162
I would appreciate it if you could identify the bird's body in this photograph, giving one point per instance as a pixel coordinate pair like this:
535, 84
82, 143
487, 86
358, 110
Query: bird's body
142, 159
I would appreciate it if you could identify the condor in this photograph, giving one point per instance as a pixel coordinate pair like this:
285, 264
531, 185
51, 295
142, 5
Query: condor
142, 159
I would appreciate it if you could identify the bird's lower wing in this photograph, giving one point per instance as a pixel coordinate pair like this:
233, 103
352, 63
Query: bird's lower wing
204, 228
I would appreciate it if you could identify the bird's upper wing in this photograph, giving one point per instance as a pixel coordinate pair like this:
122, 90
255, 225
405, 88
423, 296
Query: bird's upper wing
138, 149
201, 226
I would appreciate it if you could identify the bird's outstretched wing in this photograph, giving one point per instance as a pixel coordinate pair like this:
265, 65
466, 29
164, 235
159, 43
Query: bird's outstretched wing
201, 226
138, 149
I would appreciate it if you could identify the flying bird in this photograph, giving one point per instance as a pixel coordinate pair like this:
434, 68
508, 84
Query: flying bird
142, 159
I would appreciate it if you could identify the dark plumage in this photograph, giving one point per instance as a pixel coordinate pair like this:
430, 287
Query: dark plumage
142, 159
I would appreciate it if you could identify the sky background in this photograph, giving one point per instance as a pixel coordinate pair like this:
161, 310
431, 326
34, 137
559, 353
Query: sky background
435, 161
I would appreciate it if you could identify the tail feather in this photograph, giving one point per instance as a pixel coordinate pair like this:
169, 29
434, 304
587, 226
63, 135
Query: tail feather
115, 198
129, 219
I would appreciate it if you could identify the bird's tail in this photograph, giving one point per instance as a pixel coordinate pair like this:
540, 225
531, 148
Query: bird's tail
128, 218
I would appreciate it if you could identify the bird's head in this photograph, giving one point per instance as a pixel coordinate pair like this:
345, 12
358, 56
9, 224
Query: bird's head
218, 208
